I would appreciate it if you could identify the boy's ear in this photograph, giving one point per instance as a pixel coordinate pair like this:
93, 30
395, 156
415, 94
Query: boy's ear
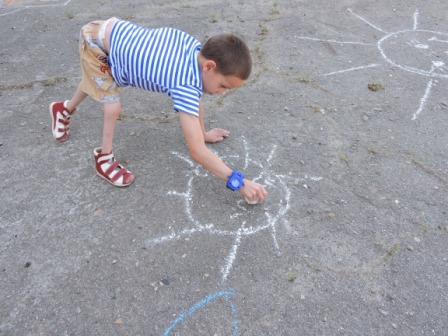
208, 65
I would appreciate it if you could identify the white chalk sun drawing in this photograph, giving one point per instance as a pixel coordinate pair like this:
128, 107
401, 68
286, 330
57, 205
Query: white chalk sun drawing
419, 51
233, 217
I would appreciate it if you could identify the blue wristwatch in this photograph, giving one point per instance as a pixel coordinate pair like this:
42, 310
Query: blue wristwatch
235, 180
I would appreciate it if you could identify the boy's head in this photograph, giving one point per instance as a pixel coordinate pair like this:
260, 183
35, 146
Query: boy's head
230, 53
225, 63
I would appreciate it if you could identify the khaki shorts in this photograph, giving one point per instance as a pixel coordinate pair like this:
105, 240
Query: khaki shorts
97, 80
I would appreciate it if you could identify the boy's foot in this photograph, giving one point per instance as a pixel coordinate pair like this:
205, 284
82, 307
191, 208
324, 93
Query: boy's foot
60, 120
109, 169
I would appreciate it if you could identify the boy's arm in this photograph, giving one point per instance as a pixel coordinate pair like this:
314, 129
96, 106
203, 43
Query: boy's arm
192, 130
214, 135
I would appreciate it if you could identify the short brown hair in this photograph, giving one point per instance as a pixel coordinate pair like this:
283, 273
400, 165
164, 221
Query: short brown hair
230, 53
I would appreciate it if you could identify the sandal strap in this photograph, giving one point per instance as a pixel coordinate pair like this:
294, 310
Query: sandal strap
118, 174
66, 112
66, 125
111, 170
104, 157
65, 122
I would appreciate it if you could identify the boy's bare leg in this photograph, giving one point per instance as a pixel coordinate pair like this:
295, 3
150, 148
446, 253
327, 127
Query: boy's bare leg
119, 176
77, 98
111, 114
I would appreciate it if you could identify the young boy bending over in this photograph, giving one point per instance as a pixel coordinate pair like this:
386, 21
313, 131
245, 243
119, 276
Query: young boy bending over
117, 53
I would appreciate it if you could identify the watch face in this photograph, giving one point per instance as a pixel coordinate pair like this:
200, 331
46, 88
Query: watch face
235, 183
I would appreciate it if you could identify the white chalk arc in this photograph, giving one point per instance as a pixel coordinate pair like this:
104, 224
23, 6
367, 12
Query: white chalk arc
413, 51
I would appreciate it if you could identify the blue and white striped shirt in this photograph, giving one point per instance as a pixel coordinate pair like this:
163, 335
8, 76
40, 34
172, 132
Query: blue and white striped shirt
159, 60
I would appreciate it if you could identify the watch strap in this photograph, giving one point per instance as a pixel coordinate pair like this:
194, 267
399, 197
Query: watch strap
235, 180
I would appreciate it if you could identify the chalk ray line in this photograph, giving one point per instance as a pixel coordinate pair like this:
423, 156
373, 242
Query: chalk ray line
43, 5
352, 69
210, 228
333, 41
282, 211
33, 6
415, 27
246, 157
437, 40
369, 23
15, 11
423, 100
272, 222
174, 236
198, 305
231, 257
271, 154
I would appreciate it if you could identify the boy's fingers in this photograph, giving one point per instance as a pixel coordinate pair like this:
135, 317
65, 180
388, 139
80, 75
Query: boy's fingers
221, 132
262, 194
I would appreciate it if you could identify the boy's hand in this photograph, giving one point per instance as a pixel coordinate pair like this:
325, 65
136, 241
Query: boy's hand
215, 135
199, 152
253, 192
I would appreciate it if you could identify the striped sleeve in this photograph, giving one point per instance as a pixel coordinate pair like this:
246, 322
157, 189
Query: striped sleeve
186, 99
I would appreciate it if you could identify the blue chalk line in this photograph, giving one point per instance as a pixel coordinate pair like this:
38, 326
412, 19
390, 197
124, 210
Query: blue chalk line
190, 311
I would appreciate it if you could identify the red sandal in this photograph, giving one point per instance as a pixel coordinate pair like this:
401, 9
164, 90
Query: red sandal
109, 169
60, 120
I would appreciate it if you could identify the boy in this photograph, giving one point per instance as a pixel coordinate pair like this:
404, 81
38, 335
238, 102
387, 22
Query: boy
119, 53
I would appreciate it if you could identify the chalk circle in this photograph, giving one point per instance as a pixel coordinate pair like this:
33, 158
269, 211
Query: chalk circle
423, 52
229, 211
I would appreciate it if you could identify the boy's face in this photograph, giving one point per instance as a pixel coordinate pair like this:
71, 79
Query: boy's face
214, 82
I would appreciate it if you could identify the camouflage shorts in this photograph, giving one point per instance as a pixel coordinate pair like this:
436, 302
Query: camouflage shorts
97, 80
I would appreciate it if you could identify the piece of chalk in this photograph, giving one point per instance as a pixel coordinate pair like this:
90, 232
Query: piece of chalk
255, 201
